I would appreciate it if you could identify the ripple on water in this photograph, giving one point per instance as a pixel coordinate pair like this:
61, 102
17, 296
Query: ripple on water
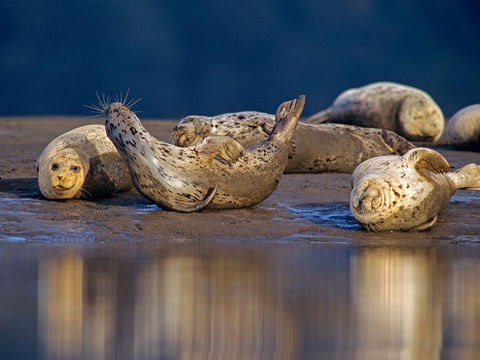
22, 219
335, 214
145, 209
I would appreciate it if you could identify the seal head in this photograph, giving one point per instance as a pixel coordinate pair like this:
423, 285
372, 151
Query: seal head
62, 175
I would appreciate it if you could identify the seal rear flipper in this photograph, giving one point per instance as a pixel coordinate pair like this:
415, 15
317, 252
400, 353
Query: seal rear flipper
286, 118
467, 177
192, 207
222, 147
318, 118
427, 225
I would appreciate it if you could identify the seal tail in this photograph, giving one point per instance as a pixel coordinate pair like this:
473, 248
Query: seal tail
319, 118
286, 118
467, 177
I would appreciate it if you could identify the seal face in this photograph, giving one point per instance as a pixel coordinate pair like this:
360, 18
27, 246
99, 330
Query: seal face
463, 128
314, 148
82, 163
216, 173
403, 109
406, 192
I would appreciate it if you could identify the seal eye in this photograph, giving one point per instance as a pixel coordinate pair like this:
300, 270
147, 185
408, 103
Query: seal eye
54, 167
74, 168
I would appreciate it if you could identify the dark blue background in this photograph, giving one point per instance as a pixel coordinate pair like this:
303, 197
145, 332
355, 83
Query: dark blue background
209, 57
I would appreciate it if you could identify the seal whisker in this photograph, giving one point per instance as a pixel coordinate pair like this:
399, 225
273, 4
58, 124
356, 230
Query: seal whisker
123, 101
94, 109
132, 102
100, 102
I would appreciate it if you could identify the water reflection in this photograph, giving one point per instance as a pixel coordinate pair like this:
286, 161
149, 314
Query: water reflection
396, 303
290, 301
166, 307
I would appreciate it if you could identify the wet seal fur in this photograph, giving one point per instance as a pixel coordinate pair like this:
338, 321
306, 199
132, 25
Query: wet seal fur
463, 128
314, 148
82, 163
406, 110
398, 193
217, 173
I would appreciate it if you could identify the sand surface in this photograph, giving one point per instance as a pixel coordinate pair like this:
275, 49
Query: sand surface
304, 208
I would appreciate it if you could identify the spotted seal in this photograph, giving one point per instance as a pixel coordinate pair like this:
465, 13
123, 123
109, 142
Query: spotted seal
463, 128
82, 163
217, 173
406, 192
406, 110
314, 148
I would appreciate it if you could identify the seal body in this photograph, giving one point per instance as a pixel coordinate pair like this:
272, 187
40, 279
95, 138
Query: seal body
216, 173
463, 128
406, 110
314, 148
406, 192
82, 163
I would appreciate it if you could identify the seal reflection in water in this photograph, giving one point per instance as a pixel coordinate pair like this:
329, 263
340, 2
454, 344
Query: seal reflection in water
406, 192
82, 163
217, 173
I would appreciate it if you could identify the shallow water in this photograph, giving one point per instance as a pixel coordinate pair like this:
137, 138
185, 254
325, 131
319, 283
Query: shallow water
194, 300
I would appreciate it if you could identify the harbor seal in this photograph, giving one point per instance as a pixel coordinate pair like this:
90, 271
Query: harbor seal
314, 148
217, 173
82, 163
406, 192
463, 128
406, 110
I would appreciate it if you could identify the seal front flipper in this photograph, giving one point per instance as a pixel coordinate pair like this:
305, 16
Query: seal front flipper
222, 148
187, 207
191, 130
467, 177
427, 225
427, 161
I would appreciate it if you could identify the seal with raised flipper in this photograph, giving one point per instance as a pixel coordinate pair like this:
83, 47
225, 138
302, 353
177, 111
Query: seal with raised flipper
82, 163
399, 193
314, 148
216, 173
463, 128
406, 110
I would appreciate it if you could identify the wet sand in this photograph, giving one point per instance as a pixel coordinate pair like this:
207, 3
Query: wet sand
305, 207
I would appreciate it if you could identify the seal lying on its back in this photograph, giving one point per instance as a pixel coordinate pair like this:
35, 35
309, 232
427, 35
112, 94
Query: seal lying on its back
217, 173
314, 148
82, 163
406, 192
463, 128
406, 110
